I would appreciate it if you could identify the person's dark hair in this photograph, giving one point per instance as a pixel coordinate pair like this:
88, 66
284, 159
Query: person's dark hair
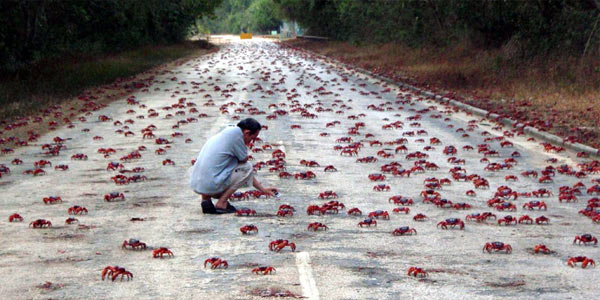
249, 124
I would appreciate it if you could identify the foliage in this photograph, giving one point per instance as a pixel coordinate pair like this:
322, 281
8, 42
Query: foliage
31, 31
530, 27
236, 16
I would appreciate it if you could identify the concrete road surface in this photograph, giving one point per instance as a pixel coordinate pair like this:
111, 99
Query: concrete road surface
259, 78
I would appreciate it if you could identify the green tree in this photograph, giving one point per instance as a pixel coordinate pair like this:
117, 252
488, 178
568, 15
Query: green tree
35, 30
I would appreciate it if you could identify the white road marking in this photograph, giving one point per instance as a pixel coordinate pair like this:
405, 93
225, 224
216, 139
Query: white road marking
307, 281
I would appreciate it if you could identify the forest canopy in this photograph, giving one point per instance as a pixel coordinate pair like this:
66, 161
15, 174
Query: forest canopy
529, 27
237, 16
31, 31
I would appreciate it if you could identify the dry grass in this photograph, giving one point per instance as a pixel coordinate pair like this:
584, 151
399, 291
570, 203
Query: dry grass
565, 91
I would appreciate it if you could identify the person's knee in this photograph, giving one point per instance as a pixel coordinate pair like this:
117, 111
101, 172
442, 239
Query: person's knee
247, 165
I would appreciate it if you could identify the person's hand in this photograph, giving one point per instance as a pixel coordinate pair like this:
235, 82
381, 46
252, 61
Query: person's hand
269, 191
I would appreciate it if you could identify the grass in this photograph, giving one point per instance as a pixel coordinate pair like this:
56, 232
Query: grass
561, 89
57, 81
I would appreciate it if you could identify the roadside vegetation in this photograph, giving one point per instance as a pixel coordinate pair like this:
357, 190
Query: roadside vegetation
237, 16
55, 81
51, 51
536, 61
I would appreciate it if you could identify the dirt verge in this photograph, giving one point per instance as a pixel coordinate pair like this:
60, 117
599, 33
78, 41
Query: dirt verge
559, 96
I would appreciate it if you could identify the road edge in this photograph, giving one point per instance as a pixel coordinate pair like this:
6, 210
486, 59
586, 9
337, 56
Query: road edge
548, 137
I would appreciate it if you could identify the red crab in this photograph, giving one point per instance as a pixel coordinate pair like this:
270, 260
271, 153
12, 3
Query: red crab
216, 262
354, 212
398, 210
525, 219
15, 218
71, 220
420, 217
285, 174
61, 167
480, 217
285, 213
541, 248
113, 196
77, 210
40, 223
497, 246
542, 193
506, 206
443, 203
452, 222
535, 204
52, 200
16, 161
168, 162
461, 206
376, 177
368, 223
309, 163
404, 230
585, 239
542, 220
239, 196
330, 168
247, 229
567, 197
400, 200
545, 179
401, 149
158, 253
115, 272
417, 272
305, 175
349, 152
120, 179
335, 204
580, 259
263, 270
314, 210
133, 244
530, 173
381, 188
316, 226
328, 195
42, 163
114, 166
277, 245
594, 190
245, 212
79, 156
137, 178
368, 159
449, 150
379, 214
481, 183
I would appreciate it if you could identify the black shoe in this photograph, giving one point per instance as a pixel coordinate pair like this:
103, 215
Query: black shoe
208, 207
231, 208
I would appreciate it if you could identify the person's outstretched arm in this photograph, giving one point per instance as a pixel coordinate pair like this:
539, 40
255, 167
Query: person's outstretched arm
258, 186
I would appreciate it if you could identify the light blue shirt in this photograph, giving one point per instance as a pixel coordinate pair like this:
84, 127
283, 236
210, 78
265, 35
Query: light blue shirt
217, 159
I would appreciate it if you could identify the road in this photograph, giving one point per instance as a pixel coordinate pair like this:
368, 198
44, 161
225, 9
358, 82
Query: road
344, 262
